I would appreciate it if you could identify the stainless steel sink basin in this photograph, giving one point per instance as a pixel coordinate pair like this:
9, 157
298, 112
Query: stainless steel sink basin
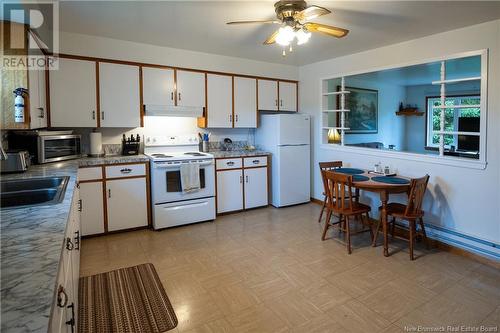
32, 191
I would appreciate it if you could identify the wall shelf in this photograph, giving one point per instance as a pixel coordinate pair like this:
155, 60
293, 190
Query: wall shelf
409, 113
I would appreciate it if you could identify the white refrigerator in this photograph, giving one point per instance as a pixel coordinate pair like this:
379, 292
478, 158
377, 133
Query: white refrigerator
287, 137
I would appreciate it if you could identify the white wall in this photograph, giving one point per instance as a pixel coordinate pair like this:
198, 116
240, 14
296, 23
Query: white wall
101, 47
462, 200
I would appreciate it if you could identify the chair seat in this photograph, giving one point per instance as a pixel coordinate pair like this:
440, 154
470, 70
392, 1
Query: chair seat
398, 210
357, 208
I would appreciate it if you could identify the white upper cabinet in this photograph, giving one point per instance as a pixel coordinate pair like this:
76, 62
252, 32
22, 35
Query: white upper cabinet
245, 102
219, 101
190, 88
288, 96
37, 91
268, 95
119, 95
158, 86
73, 94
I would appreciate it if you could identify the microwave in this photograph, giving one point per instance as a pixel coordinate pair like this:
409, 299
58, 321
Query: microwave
48, 148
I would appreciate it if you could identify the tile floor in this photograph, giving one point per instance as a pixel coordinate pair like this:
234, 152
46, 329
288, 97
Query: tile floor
267, 270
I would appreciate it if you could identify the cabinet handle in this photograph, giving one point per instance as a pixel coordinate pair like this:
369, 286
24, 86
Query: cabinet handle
172, 95
236, 118
69, 244
179, 96
241, 179
62, 297
126, 170
230, 118
256, 162
281, 102
80, 205
71, 322
230, 163
93, 114
276, 102
77, 240
246, 179
109, 193
102, 115
42, 114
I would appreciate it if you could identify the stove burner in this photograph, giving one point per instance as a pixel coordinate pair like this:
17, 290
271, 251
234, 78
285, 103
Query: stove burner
161, 155
194, 154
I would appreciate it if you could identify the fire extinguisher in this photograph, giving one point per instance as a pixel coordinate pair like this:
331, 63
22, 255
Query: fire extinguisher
19, 104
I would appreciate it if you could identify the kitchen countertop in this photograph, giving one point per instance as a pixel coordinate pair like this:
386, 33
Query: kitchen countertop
237, 153
31, 243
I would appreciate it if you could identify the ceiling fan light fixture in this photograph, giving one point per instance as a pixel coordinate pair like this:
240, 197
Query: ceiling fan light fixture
302, 36
285, 36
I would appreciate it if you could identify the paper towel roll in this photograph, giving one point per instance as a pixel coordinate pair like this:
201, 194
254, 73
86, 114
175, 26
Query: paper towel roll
95, 143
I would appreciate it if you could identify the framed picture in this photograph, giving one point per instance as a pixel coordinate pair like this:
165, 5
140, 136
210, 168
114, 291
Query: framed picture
363, 115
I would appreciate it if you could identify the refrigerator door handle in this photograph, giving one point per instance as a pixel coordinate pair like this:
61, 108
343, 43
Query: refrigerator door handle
296, 145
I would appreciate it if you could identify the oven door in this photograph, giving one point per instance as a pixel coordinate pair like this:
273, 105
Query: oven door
166, 182
58, 148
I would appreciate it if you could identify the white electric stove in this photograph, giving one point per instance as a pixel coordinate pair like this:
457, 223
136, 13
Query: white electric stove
171, 205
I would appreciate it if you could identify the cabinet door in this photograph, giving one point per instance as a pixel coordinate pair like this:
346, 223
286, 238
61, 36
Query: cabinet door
127, 203
256, 190
42, 97
245, 102
288, 96
220, 101
119, 95
92, 211
73, 94
158, 86
36, 111
268, 95
229, 190
190, 88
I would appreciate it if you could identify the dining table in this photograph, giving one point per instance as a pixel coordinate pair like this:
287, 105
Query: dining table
383, 185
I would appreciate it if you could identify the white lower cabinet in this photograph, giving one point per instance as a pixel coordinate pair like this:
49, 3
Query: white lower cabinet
256, 191
241, 183
229, 190
64, 317
127, 203
92, 208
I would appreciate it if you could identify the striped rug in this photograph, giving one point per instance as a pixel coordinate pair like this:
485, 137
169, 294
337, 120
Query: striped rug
124, 300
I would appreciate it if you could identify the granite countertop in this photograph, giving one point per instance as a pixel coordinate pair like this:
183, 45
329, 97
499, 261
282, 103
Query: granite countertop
237, 153
31, 243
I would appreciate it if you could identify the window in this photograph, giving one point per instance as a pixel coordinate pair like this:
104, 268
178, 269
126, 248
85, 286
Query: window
456, 120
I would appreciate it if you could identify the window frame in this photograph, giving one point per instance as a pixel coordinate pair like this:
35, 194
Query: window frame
427, 138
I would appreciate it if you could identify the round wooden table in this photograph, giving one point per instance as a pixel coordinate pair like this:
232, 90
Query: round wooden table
384, 191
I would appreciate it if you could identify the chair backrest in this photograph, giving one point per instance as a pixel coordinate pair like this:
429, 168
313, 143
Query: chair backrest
328, 166
418, 187
339, 191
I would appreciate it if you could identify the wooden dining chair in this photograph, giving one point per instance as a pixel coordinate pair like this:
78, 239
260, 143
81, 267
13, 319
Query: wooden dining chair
343, 203
411, 212
326, 166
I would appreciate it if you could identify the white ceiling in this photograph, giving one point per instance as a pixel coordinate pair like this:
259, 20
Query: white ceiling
200, 25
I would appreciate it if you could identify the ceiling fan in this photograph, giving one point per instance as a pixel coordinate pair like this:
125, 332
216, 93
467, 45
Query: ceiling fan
294, 17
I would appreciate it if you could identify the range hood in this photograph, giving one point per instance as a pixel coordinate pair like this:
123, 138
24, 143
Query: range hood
172, 111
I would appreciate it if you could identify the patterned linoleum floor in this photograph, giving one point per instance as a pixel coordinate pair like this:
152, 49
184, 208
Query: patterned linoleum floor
266, 270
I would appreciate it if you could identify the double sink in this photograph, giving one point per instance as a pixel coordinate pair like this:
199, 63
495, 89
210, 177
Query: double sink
32, 191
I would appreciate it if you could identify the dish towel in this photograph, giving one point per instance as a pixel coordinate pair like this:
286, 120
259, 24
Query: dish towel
190, 177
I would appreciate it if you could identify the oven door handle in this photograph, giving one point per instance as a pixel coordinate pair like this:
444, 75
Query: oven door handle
186, 205
174, 166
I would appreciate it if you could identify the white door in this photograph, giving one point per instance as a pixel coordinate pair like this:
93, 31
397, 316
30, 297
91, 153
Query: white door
73, 94
190, 88
229, 190
293, 171
42, 97
288, 96
268, 95
127, 203
119, 95
294, 129
36, 110
158, 86
256, 187
219, 101
92, 211
245, 102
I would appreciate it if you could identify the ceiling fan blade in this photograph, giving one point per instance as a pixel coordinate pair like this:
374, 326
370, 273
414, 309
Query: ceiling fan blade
326, 29
257, 21
310, 13
271, 39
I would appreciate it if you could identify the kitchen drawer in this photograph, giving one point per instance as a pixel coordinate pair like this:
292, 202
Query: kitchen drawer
254, 161
229, 163
127, 170
92, 173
